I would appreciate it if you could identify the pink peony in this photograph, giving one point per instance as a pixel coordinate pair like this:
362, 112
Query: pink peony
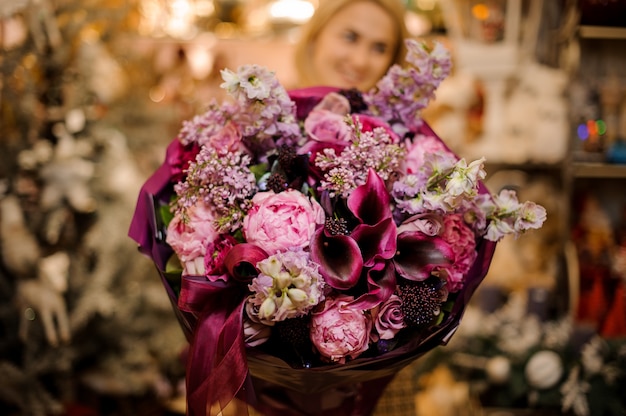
281, 221
388, 318
462, 240
419, 147
338, 331
190, 238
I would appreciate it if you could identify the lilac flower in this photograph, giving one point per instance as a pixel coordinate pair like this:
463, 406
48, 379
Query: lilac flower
287, 286
367, 150
223, 182
403, 92
203, 126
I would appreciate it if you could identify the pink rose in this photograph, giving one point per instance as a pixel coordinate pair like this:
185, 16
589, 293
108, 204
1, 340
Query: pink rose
420, 146
388, 318
425, 223
335, 103
326, 122
339, 331
463, 242
226, 140
254, 332
281, 221
190, 239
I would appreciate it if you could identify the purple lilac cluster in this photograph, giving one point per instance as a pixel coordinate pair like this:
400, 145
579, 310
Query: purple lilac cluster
373, 149
403, 92
201, 128
222, 182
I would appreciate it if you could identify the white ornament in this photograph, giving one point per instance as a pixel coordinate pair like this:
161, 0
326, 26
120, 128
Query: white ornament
498, 369
544, 369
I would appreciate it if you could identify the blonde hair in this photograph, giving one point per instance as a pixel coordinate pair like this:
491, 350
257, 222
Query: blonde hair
325, 11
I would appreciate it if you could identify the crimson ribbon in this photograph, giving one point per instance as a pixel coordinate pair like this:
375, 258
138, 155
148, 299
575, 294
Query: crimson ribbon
217, 369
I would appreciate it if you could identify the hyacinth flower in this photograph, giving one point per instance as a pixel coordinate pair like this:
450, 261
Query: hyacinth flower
288, 286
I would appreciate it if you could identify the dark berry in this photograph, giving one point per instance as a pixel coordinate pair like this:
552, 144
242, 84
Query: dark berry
336, 226
294, 331
276, 182
354, 96
421, 301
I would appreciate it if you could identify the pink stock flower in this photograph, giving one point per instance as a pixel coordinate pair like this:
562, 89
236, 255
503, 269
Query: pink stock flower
388, 318
282, 221
340, 332
462, 240
189, 238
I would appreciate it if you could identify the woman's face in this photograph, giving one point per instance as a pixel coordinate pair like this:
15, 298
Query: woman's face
355, 48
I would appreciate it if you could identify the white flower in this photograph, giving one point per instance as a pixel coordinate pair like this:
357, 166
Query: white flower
574, 393
287, 286
231, 80
591, 356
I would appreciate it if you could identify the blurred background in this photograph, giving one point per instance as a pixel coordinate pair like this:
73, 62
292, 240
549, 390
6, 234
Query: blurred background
92, 92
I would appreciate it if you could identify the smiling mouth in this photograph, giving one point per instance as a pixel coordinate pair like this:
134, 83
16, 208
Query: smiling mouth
351, 78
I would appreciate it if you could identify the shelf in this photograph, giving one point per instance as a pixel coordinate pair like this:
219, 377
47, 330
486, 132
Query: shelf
598, 170
602, 32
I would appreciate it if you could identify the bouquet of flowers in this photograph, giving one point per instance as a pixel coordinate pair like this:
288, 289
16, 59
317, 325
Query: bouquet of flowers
314, 242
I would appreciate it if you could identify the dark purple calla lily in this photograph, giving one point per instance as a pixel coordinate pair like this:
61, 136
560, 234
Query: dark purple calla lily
377, 240
241, 261
381, 282
339, 258
370, 202
418, 254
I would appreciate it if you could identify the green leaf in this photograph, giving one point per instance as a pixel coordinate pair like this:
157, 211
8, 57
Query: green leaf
259, 170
